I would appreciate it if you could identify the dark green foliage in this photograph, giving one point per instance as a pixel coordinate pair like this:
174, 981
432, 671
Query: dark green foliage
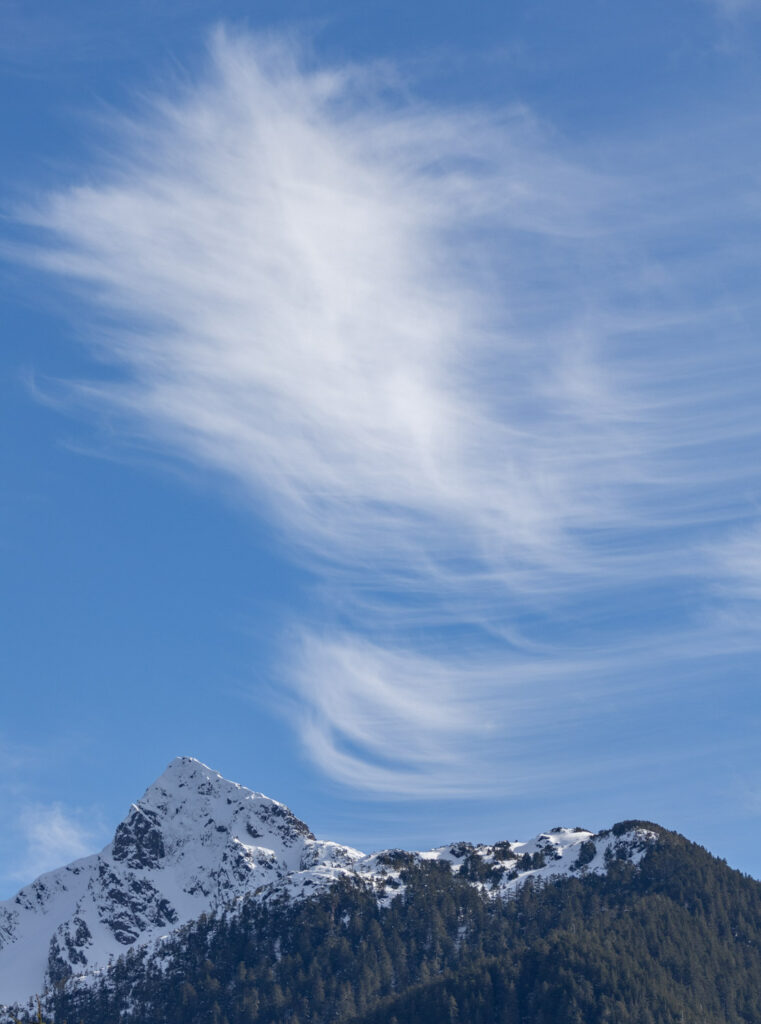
531, 861
676, 940
587, 852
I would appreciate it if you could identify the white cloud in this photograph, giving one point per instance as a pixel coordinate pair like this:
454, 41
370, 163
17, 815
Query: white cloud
734, 8
450, 362
50, 835
401, 722
295, 274
737, 563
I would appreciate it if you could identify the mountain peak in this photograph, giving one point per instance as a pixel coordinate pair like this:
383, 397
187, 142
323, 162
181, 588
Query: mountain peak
184, 764
185, 767
191, 799
189, 774
192, 843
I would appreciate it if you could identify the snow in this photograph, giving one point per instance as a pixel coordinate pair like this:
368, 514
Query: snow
196, 842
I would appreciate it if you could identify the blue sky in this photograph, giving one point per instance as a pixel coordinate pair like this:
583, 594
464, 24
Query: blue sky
380, 397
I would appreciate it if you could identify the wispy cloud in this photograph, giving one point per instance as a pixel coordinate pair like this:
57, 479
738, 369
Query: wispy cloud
50, 835
735, 8
38, 835
471, 374
737, 563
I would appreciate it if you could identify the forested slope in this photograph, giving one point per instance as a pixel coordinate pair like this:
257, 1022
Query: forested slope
676, 938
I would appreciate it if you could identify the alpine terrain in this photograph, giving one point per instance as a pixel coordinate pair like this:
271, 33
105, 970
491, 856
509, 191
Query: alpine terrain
216, 903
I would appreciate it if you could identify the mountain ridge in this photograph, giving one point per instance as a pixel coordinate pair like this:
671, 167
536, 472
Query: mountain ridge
672, 939
196, 842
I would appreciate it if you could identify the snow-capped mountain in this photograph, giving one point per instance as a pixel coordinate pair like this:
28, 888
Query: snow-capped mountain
196, 842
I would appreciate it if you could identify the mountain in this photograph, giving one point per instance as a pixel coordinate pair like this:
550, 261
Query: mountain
193, 842
196, 844
672, 939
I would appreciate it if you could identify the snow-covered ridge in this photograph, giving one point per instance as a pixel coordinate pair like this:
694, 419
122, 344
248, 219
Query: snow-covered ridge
195, 842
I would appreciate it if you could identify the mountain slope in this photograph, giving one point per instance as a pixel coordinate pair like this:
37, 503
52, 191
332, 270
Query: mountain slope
675, 939
196, 843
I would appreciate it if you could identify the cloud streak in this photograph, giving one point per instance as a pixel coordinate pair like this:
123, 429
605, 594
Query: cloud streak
736, 8
465, 372
50, 835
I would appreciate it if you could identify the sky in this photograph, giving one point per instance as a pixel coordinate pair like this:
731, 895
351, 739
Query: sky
380, 404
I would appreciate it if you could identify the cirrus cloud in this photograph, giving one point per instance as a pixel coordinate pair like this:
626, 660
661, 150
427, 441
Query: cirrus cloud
470, 374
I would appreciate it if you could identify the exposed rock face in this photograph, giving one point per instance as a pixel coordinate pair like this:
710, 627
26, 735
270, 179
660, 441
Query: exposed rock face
195, 842
138, 840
